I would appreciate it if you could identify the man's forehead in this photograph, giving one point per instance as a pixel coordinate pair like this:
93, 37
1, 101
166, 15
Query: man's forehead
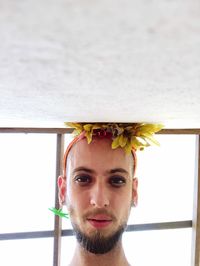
98, 152
98, 145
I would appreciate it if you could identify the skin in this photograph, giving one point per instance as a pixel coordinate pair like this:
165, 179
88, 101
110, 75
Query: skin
99, 181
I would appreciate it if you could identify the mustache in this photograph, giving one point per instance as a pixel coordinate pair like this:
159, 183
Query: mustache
99, 211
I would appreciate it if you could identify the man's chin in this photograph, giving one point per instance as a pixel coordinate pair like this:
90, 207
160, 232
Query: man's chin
99, 241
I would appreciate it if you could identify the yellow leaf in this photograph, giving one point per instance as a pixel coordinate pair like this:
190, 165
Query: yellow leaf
78, 128
145, 142
74, 125
149, 137
115, 143
88, 136
149, 128
122, 140
128, 148
87, 127
136, 143
96, 126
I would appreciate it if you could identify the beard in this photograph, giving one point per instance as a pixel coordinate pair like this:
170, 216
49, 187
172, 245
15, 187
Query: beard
98, 244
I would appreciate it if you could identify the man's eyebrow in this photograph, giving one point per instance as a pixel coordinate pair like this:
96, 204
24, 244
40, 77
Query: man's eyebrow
91, 171
117, 170
84, 169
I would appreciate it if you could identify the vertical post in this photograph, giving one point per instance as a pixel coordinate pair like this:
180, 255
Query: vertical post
57, 219
196, 210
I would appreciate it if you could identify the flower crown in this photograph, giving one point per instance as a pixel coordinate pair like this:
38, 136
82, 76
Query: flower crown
128, 136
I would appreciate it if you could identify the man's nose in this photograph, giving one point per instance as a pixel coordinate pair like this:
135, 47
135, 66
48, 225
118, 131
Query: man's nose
99, 196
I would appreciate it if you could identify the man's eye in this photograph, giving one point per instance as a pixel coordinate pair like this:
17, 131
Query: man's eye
83, 179
117, 181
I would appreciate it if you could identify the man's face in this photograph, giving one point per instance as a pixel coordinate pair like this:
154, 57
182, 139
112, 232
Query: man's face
100, 189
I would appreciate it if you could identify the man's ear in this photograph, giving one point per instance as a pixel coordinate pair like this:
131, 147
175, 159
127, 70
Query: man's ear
61, 190
135, 192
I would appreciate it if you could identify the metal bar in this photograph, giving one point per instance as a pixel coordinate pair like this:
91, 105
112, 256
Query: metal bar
58, 220
187, 131
35, 130
196, 210
69, 232
159, 226
147, 227
26, 235
179, 131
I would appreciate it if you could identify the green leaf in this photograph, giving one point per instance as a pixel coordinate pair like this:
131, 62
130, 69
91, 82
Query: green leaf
59, 213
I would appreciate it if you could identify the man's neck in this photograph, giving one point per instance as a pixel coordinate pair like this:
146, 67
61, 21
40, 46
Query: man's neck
114, 257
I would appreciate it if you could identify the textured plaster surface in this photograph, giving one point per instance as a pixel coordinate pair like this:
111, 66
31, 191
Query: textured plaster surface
108, 60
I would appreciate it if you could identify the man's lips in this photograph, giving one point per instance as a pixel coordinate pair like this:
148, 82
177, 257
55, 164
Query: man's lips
100, 217
99, 220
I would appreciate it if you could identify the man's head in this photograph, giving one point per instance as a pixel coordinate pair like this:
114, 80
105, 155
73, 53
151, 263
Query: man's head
99, 190
98, 183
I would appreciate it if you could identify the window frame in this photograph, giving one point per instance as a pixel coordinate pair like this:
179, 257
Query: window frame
58, 233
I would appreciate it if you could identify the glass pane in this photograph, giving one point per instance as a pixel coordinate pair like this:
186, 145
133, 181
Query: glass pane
27, 183
67, 139
25, 252
166, 180
67, 249
162, 247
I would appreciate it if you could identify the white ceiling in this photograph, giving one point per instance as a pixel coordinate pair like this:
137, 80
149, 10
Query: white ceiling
106, 60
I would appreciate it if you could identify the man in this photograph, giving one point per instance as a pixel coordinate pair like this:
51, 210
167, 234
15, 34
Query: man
99, 188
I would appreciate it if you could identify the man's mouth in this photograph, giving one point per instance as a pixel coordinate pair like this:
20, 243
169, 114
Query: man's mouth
99, 221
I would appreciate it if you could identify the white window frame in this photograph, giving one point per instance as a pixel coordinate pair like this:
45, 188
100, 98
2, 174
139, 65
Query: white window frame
58, 233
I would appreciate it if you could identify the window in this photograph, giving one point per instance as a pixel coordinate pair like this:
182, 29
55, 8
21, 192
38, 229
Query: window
162, 220
29, 252
165, 172
26, 191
